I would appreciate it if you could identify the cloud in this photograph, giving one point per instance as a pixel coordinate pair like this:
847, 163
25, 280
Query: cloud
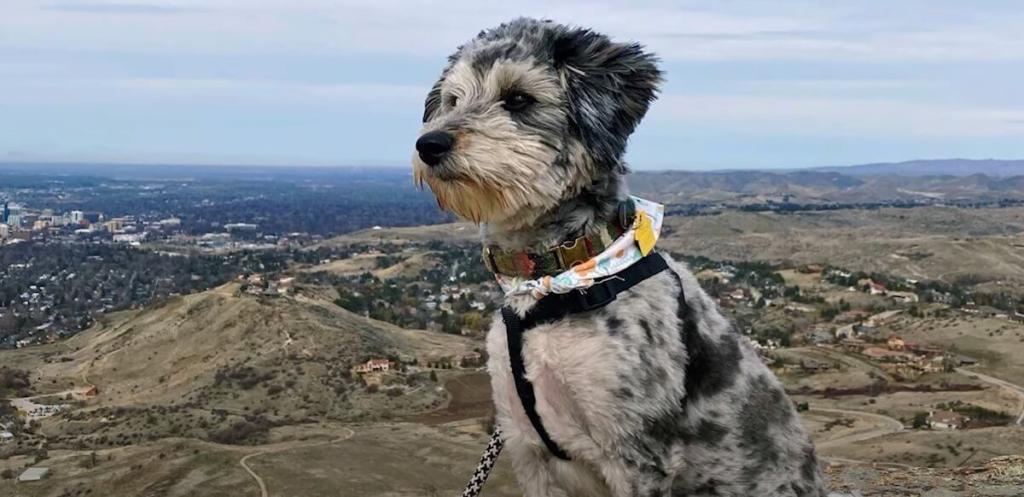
121, 8
696, 30
255, 92
819, 116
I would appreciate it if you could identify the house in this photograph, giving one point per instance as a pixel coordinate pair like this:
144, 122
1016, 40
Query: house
865, 331
965, 360
373, 365
34, 474
5, 437
932, 365
896, 343
92, 391
820, 337
946, 420
853, 344
904, 297
875, 288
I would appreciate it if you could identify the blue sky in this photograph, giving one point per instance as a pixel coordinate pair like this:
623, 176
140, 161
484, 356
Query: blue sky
751, 83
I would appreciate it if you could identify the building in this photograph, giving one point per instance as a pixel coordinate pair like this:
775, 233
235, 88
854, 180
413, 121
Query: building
372, 366
77, 217
876, 288
896, 343
820, 337
946, 420
6, 437
5, 231
880, 354
905, 297
131, 239
13, 214
114, 225
34, 474
240, 227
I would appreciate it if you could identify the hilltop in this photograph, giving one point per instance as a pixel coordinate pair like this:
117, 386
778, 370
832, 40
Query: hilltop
227, 366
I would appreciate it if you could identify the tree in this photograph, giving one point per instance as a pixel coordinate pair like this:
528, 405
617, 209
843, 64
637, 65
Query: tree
433, 376
920, 421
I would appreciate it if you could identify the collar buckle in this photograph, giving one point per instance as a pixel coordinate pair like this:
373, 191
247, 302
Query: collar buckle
572, 253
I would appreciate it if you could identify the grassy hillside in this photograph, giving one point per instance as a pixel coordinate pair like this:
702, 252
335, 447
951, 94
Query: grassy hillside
226, 366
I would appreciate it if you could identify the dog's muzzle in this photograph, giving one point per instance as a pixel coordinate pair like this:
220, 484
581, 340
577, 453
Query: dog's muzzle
434, 146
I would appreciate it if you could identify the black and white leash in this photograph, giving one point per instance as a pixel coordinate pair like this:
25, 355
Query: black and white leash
483, 470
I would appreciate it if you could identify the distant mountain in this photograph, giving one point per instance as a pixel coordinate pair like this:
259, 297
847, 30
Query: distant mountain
822, 186
939, 167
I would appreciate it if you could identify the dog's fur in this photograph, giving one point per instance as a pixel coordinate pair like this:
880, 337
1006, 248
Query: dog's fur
655, 394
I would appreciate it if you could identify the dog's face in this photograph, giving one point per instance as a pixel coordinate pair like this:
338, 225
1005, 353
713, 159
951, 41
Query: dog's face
528, 114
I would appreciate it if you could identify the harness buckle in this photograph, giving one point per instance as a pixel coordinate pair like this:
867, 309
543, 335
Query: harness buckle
595, 296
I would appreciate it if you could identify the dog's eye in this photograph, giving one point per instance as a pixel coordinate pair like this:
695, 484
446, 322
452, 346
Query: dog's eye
453, 100
515, 102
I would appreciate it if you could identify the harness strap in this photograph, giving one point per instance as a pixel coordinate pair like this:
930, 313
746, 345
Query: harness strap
555, 307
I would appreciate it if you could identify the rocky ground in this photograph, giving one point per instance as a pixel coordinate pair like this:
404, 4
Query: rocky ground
999, 477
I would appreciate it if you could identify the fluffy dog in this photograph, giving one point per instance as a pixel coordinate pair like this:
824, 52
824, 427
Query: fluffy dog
655, 394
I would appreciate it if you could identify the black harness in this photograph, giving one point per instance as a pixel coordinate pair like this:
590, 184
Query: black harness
555, 307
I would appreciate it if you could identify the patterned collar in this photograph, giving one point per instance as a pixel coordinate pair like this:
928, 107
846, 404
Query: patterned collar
536, 262
539, 261
640, 234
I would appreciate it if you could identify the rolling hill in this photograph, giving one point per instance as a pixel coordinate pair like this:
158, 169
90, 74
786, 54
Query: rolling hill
227, 366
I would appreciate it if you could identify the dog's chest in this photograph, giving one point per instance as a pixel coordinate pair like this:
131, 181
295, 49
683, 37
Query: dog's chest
594, 374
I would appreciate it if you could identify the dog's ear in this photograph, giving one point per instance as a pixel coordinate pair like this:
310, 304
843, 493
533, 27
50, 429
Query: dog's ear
433, 102
609, 87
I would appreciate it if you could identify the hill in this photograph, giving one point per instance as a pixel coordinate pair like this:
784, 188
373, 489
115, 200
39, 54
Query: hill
227, 366
937, 167
821, 187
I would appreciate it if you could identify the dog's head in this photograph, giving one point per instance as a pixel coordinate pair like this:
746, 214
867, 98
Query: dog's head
529, 114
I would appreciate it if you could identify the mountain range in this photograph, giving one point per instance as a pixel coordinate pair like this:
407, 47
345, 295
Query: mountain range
938, 167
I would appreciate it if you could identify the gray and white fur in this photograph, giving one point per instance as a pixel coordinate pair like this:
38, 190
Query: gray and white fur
655, 394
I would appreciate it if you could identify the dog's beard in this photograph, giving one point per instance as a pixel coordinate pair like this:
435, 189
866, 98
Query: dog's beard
496, 177
476, 202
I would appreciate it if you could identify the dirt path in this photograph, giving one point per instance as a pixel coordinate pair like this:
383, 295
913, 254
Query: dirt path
243, 462
888, 427
1012, 388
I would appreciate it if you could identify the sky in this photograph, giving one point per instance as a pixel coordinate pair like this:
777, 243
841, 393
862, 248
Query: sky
750, 83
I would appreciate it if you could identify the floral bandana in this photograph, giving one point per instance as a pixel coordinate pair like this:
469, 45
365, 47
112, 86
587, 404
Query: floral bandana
633, 245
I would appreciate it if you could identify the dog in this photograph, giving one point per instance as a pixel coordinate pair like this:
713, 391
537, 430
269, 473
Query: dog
654, 394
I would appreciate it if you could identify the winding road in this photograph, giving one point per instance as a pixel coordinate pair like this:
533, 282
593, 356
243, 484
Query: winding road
888, 427
243, 462
1012, 388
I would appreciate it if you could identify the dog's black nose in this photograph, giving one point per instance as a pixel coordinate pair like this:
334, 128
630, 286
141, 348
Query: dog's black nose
434, 146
